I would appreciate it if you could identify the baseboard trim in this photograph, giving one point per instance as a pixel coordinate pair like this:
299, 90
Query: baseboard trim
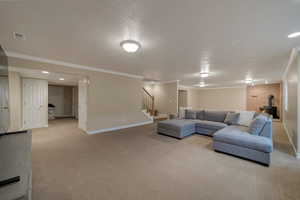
290, 140
118, 127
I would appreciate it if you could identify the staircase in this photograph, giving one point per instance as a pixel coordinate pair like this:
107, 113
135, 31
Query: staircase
148, 102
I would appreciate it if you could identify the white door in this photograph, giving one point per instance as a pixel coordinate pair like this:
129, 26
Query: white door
82, 104
4, 104
35, 103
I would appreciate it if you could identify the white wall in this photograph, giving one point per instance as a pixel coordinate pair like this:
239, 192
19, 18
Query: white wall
291, 101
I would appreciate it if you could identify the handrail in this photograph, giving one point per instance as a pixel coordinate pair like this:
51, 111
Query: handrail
149, 102
148, 93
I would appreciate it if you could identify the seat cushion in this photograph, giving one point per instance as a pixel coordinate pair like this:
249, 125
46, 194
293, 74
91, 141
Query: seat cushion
210, 125
215, 116
235, 136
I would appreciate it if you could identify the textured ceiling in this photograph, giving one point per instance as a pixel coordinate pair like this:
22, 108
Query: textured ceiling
233, 38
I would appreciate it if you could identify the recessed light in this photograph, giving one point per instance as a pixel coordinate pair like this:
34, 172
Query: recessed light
248, 81
45, 72
204, 74
293, 35
130, 46
201, 84
61, 79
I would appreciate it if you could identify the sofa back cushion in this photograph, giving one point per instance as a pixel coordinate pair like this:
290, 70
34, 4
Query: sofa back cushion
215, 116
246, 118
257, 125
232, 118
200, 114
190, 114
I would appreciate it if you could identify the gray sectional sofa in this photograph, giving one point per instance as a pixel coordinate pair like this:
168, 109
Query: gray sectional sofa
253, 142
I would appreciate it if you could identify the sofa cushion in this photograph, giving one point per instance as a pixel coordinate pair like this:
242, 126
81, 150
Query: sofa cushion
176, 124
200, 114
232, 118
190, 114
246, 118
210, 125
215, 116
234, 136
257, 125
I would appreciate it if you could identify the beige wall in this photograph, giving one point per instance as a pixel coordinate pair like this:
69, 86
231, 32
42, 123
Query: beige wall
182, 98
62, 98
165, 96
15, 101
290, 112
113, 100
222, 98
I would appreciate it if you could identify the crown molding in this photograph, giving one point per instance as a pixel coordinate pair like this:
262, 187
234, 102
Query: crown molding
71, 65
212, 88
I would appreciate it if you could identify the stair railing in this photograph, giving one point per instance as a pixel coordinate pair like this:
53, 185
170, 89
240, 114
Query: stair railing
148, 102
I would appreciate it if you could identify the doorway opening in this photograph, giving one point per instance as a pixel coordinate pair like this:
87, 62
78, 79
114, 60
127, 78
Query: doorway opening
48, 97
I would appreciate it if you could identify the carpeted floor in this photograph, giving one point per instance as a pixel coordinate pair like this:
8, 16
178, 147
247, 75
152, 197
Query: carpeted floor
138, 164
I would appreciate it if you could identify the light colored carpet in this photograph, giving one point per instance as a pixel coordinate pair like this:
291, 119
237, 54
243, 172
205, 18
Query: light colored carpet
138, 164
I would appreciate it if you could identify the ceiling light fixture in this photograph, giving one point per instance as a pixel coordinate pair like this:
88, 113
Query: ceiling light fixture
61, 79
294, 35
201, 84
130, 46
248, 81
45, 72
204, 74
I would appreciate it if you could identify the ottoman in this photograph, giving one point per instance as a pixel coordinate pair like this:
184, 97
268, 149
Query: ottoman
177, 128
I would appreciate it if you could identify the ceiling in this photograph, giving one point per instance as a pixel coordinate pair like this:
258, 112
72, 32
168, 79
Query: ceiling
52, 77
233, 39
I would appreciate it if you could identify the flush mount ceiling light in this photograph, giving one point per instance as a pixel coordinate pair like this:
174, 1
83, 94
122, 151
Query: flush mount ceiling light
130, 46
294, 35
45, 72
204, 74
61, 79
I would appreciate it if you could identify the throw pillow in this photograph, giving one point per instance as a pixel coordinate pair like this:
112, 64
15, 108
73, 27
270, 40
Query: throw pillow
232, 118
190, 114
257, 125
246, 118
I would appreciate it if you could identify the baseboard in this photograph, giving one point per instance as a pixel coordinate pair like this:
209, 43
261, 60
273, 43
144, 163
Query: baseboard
290, 140
118, 127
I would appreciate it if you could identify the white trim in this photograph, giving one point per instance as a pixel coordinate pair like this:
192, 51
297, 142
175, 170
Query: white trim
290, 62
163, 82
290, 140
212, 88
66, 64
118, 127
